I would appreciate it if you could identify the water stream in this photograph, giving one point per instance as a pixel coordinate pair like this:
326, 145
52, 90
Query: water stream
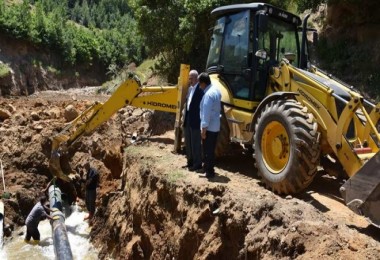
78, 233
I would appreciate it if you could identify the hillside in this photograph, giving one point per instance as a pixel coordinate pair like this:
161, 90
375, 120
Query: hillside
31, 68
349, 40
149, 207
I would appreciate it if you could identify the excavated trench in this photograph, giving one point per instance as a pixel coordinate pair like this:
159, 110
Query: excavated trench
164, 212
149, 207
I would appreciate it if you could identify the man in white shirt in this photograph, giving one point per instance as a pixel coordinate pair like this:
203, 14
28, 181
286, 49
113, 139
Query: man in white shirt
192, 124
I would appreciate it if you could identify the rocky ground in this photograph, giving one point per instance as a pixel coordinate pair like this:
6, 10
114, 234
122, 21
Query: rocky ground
149, 207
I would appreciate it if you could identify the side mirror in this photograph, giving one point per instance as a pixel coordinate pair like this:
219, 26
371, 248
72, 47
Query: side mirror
290, 57
261, 54
220, 68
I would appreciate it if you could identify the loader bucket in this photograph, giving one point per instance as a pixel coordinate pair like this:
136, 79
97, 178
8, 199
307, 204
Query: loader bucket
362, 191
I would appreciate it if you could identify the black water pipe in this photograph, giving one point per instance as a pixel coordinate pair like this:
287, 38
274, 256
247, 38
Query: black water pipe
1, 224
61, 243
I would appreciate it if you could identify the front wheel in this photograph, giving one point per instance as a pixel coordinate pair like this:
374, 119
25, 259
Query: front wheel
286, 146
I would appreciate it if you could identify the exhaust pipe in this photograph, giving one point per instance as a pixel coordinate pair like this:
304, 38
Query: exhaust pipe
61, 243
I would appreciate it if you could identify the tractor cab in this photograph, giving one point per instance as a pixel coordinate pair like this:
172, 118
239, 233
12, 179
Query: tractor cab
247, 40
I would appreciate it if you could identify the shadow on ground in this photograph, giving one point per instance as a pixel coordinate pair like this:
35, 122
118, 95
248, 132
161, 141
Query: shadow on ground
238, 161
322, 184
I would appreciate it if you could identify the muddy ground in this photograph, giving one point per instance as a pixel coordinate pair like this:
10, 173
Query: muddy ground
151, 208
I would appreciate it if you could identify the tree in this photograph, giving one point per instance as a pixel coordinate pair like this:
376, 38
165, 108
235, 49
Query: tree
181, 28
303, 5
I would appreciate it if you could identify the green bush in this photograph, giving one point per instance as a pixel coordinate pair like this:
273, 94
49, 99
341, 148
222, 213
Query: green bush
104, 31
5, 70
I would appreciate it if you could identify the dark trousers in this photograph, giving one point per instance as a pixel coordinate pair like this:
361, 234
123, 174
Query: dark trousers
188, 145
193, 146
32, 232
209, 145
91, 200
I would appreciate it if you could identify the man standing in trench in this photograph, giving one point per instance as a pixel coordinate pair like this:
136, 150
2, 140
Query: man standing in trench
92, 182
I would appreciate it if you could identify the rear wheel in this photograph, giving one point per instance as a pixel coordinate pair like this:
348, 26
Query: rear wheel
286, 146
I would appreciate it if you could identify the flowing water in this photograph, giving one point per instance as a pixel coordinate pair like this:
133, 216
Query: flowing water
78, 233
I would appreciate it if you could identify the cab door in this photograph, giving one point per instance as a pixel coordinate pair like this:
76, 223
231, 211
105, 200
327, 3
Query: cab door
235, 55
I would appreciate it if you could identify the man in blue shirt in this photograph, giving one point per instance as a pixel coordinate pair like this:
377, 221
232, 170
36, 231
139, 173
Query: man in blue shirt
210, 122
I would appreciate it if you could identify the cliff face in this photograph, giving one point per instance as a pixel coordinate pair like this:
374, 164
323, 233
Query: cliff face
358, 21
357, 14
349, 43
33, 68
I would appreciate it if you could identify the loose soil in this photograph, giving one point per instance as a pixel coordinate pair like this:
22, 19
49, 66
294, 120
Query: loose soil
149, 207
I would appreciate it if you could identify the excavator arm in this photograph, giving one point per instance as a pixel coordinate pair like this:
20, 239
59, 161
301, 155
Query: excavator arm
130, 92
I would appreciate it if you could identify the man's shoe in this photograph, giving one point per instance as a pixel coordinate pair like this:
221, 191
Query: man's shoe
201, 170
188, 165
194, 169
210, 175
32, 242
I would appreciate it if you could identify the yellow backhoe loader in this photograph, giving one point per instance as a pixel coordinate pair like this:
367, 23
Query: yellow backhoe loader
294, 116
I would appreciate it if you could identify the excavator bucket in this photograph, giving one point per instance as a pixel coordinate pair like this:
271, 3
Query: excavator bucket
362, 191
55, 167
55, 158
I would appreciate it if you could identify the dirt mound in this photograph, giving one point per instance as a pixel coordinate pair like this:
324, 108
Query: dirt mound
149, 207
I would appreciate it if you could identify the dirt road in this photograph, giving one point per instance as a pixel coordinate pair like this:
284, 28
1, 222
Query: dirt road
149, 207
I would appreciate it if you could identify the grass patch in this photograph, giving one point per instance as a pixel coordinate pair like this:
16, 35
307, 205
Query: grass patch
144, 71
36, 63
133, 149
175, 175
5, 70
136, 151
53, 70
102, 89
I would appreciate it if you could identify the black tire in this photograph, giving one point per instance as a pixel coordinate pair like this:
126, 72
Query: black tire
223, 142
286, 146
